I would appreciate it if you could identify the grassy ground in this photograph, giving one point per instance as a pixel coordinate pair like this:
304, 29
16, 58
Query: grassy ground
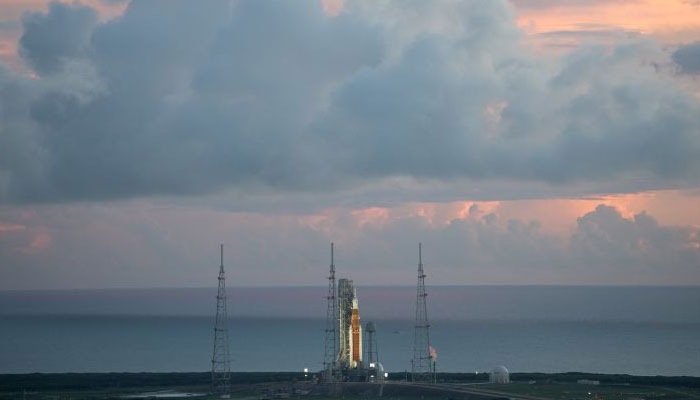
86, 394
253, 386
243, 392
548, 391
573, 391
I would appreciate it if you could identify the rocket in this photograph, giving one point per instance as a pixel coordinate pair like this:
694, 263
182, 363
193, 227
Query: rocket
356, 327
349, 325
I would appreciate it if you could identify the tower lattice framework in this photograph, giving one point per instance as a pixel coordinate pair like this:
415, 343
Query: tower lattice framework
221, 358
421, 364
374, 372
331, 346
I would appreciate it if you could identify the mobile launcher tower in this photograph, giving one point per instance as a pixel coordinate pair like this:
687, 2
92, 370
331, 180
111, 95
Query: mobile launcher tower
343, 350
349, 327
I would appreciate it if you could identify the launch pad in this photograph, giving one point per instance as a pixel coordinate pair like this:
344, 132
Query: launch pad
345, 359
352, 364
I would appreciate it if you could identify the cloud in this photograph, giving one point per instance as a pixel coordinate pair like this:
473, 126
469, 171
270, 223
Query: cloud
604, 240
193, 99
11, 227
688, 58
544, 4
333, 7
144, 245
59, 35
427, 114
176, 98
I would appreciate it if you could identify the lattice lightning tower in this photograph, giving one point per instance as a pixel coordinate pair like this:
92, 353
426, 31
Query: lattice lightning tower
221, 359
372, 351
421, 364
331, 347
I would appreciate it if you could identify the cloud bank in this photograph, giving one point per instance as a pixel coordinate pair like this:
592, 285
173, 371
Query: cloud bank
280, 127
154, 246
180, 98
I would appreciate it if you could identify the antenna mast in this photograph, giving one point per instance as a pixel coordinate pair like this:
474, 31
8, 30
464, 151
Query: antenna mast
331, 347
221, 359
421, 368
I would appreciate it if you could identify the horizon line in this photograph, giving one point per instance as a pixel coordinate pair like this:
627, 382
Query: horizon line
552, 285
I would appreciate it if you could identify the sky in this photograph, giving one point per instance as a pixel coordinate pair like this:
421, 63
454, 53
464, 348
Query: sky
523, 142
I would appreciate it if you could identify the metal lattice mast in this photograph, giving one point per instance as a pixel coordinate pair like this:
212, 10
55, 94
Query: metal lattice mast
421, 368
372, 360
221, 359
331, 347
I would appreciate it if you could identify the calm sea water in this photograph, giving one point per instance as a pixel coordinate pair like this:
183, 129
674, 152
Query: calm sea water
639, 330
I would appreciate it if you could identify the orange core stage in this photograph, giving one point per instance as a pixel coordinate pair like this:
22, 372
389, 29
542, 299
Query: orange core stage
356, 345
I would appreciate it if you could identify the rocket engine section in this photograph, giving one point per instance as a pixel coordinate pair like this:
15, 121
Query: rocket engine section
350, 328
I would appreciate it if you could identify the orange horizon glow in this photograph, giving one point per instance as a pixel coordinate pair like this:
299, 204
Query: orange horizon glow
670, 21
11, 227
557, 216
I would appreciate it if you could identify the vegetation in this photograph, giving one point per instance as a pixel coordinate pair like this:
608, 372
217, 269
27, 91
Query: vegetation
570, 377
92, 381
574, 391
250, 385
680, 381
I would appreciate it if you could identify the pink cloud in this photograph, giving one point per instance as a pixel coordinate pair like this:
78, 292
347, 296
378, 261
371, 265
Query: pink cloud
11, 227
39, 243
26, 239
372, 215
13, 9
332, 7
556, 215
668, 20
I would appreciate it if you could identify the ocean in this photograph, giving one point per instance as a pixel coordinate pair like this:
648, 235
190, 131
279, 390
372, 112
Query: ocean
631, 330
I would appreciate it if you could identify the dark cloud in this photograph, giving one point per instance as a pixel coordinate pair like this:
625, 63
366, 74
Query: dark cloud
195, 98
59, 35
688, 58
430, 116
177, 97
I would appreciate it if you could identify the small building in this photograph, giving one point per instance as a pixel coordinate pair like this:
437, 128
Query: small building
499, 374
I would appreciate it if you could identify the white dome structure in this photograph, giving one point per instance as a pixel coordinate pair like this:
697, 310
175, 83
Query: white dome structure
380, 369
499, 374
